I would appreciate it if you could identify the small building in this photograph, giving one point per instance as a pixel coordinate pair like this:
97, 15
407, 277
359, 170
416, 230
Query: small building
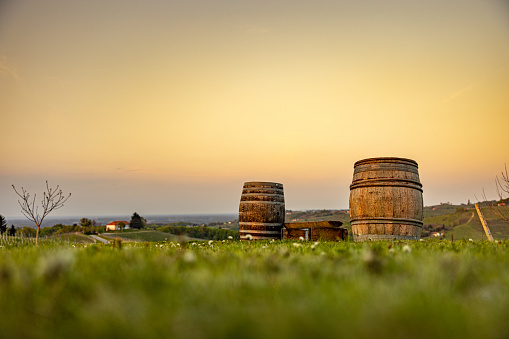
113, 226
314, 230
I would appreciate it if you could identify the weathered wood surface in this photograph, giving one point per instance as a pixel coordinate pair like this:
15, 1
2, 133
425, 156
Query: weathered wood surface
293, 233
261, 210
385, 231
386, 200
313, 231
484, 223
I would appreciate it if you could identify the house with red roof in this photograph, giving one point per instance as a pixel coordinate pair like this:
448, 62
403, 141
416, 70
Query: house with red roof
113, 226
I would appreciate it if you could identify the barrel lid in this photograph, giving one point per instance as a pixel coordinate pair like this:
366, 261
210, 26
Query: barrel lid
392, 160
264, 183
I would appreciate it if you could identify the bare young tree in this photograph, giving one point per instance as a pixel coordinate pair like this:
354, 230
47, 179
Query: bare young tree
53, 199
500, 209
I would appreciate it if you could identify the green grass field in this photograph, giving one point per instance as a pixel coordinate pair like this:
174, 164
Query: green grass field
426, 289
74, 238
468, 225
140, 235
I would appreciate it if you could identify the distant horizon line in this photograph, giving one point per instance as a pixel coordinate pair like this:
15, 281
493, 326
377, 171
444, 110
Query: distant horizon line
117, 215
197, 214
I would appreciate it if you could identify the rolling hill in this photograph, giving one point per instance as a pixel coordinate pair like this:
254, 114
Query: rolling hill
458, 221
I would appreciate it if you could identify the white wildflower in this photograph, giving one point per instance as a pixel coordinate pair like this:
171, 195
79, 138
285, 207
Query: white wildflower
470, 240
301, 239
322, 253
283, 251
264, 246
210, 242
407, 249
189, 257
52, 266
421, 239
368, 255
230, 237
272, 241
178, 244
316, 243
296, 244
249, 237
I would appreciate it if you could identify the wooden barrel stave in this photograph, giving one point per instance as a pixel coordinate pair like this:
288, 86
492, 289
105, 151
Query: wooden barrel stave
261, 210
386, 199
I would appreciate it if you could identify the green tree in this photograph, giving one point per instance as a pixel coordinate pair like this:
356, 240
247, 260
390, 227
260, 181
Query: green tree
11, 231
121, 225
27, 231
3, 224
136, 221
86, 224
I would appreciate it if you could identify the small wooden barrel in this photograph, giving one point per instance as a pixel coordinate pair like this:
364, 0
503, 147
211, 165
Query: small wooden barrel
386, 200
261, 210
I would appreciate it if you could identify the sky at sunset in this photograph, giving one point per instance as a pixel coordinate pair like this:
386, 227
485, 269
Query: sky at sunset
168, 107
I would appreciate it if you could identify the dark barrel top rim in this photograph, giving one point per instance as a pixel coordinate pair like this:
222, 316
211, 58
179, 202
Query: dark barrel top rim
386, 160
268, 183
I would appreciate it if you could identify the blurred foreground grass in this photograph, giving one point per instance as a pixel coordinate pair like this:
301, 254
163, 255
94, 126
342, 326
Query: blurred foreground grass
429, 289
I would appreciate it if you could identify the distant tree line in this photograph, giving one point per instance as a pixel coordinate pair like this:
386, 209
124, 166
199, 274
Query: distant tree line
312, 214
173, 224
3, 225
60, 229
201, 232
86, 226
4, 229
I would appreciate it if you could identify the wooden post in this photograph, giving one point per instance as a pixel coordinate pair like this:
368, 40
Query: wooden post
484, 223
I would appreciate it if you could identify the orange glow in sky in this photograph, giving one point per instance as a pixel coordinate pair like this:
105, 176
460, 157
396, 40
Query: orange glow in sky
169, 106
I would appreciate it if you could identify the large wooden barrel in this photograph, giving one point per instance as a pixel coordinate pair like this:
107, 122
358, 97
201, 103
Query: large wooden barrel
261, 210
386, 200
